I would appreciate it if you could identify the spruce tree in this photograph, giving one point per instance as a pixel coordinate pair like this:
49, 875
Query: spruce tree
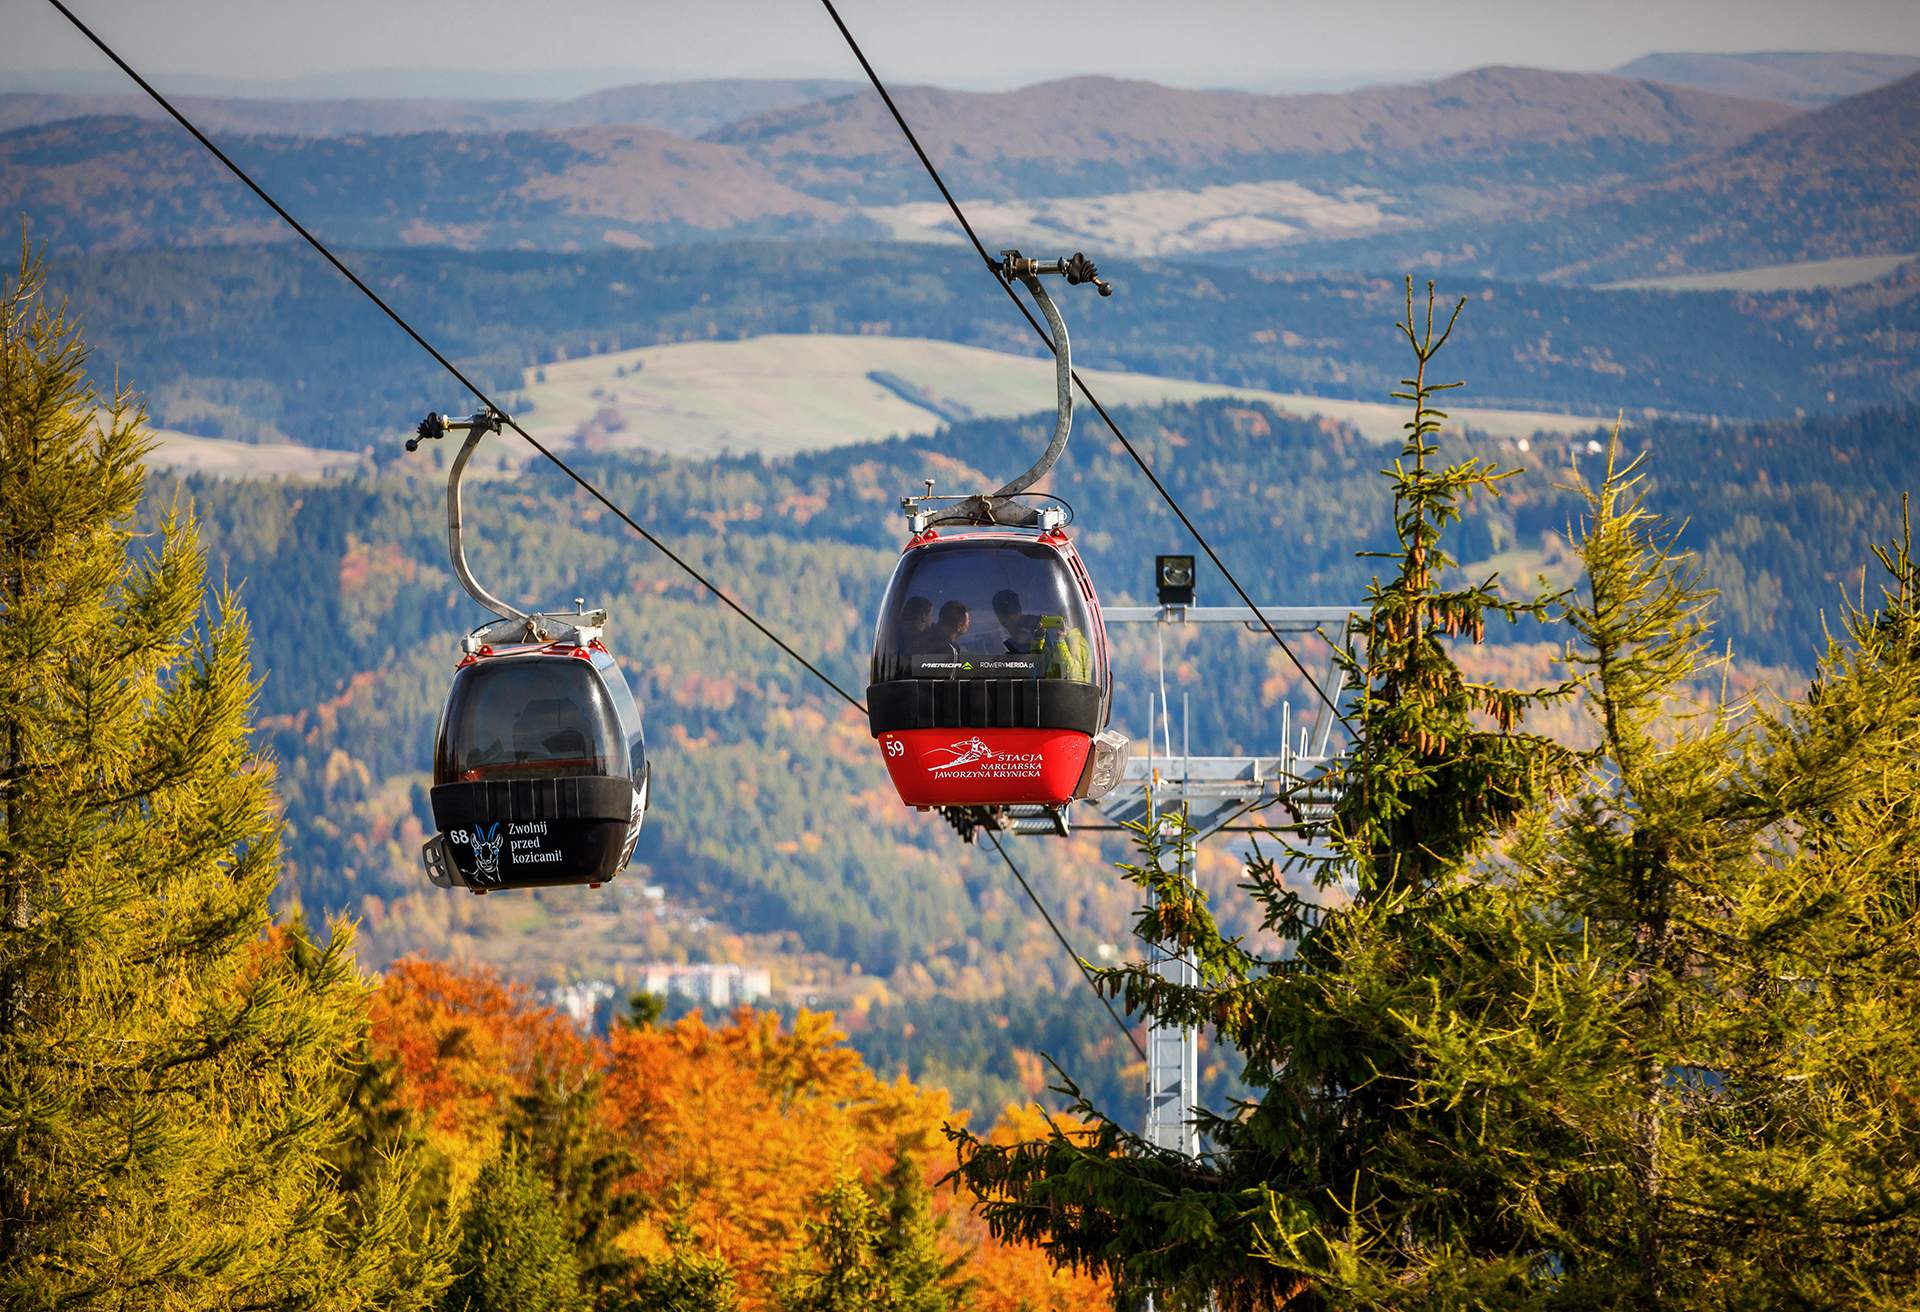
875, 1251
685, 1280
837, 1268
170, 1071
515, 1254
918, 1276
589, 1170
1361, 1175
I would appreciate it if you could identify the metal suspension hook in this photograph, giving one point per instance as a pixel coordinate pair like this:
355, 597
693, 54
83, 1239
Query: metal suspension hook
476, 426
1079, 269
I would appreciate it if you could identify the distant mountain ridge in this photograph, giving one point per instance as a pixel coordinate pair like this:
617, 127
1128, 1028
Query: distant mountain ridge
122, 183
303, 118
686, 108
1084, 134
1506, 172
1831, 183
1796, 77
1496, 139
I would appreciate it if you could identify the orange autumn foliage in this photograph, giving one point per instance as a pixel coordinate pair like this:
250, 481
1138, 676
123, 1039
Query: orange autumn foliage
744, 1123
468, 1042
1010, 1277
734, 1127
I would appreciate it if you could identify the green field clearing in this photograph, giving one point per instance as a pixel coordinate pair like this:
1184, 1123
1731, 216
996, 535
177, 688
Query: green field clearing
785, 393
1159, 221
1806, 276
221, 457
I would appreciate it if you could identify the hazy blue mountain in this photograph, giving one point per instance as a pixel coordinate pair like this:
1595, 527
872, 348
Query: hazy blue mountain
686, 108
1130, 166
1798, 77
1840, 181
1075, 136
122, 183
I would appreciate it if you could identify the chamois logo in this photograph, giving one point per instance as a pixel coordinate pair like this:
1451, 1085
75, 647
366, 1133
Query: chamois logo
486, 851
965, 753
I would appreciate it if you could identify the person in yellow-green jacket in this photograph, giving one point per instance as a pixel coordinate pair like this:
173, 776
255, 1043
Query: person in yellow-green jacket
1065, 652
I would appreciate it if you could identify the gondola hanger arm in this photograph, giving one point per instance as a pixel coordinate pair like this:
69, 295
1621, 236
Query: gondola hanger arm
476, 426
1077, 269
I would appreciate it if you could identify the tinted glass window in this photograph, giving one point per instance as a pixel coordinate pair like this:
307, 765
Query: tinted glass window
628, 710
526, 718
1007, 609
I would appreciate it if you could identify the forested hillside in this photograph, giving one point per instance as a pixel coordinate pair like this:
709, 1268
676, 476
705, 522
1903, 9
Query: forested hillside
774, 834
265, 343
124, 183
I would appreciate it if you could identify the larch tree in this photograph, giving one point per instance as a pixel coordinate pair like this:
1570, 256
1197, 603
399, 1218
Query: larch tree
1744, 880
172, 1066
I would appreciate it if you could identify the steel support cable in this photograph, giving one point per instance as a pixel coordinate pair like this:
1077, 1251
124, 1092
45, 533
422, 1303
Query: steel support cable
993, 266
1078, 960
447, 364
485, 400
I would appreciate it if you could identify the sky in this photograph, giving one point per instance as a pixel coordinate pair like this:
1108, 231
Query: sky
512, 47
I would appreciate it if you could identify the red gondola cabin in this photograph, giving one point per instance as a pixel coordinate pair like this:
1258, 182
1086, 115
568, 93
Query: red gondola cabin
990, 688
989, 669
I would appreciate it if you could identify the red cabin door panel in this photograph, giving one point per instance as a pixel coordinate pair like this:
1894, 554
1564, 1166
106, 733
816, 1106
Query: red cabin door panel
985, 767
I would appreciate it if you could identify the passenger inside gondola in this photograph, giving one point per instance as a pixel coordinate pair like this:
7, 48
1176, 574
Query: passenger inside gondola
1067, 653
1021, 629
955, 620
955, 602
916, 625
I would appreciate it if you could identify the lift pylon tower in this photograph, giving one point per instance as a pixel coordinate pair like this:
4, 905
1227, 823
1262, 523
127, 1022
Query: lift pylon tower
1215, 793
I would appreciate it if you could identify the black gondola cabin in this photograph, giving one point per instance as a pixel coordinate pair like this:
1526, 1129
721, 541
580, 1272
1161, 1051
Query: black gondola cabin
540, 772
539, 769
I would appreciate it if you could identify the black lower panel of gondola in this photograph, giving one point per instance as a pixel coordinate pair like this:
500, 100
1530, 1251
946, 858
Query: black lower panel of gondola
983, 704
531, 833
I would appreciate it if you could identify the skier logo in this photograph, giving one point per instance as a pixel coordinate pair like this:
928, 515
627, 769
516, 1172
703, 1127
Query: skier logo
965, 753
486, 851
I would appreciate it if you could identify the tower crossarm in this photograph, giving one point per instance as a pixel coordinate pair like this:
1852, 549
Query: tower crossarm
1286, 619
